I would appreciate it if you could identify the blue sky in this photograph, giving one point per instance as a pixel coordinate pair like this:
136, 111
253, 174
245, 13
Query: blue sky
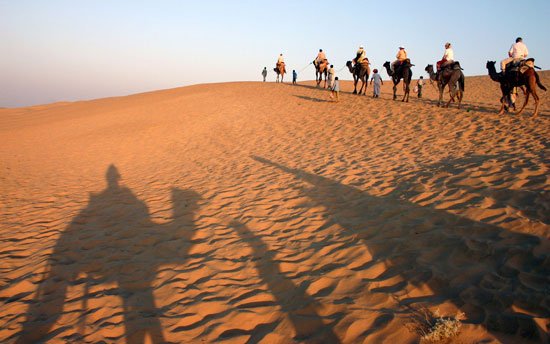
72, 50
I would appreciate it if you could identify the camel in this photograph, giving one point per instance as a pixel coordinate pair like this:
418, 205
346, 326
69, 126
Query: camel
451, 76
360, 72
402, 72
529, 79
280, 70
320, 69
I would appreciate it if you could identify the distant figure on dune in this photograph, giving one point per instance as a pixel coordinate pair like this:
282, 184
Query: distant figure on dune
294, 77
419, 86
377, 81
359, 67
335, 92
112, 241
331, 76
280, 68
321, 67
264, 73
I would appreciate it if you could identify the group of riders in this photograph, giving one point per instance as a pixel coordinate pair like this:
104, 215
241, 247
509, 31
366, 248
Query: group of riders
516, 55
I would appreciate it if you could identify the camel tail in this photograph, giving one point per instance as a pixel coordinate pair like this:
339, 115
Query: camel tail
539, 83
461, 82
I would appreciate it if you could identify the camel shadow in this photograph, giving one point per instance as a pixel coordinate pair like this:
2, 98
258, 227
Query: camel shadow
294, 301
484, 270
113, 241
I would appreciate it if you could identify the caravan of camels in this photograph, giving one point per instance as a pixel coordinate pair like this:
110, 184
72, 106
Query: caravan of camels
518, 73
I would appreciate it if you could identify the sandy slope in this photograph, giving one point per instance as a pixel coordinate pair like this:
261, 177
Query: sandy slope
252, 212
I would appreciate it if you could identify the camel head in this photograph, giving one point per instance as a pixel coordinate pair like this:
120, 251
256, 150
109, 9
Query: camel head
348, 63
429, 68
490, 64
386, 64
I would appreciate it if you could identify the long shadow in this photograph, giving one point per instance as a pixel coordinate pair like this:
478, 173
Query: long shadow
484, 270
113, 241
294, 301
317, 100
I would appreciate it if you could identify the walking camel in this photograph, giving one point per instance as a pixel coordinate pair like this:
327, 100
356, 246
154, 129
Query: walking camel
280, 70
451, 76
320, 69
361, 72
401, 72
529, 78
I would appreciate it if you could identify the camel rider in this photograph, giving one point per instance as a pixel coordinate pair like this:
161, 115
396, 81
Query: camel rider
518, 51
280, 61
361, 55
401, 57
320, 58
448, 57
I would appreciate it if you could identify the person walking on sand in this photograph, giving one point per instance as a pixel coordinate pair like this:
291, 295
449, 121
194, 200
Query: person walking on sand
264, 73
335, 91
331, 75
294, 77
377, 80
419, 85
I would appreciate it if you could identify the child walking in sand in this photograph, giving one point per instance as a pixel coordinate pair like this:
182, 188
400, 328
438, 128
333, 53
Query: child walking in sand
294, 77
377, 79
335, 90
419, 85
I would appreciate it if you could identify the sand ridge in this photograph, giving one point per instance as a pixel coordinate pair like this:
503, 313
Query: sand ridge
262, 212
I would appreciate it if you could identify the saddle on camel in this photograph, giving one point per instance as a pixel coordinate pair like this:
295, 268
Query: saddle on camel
447, 68
515, 68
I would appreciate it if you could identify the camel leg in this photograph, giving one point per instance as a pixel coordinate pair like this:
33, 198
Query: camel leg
525, 102
502, 105
362, 85
536, 98
394, 91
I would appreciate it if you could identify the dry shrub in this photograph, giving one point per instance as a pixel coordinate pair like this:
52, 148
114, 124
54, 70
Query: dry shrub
433, 327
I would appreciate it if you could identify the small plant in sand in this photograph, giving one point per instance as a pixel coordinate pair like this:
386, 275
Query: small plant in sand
433, 327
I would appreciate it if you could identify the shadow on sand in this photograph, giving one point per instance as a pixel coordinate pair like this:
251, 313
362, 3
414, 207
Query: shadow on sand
486, 271
299, 307
112, 241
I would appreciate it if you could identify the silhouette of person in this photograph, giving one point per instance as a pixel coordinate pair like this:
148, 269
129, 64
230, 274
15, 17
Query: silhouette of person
113, 240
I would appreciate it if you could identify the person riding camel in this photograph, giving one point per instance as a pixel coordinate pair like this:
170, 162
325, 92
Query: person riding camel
361, 55
447, 59
280, 61
518, 51
401, 57
320, 58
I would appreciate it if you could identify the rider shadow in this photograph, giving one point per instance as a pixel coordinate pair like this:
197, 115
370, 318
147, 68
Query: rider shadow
112, 241
294, 301
311, 99
484, 270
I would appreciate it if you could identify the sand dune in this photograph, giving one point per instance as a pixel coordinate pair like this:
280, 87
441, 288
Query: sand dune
262, 212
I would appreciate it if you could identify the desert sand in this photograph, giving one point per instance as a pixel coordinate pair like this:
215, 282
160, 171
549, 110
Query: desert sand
261, 212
